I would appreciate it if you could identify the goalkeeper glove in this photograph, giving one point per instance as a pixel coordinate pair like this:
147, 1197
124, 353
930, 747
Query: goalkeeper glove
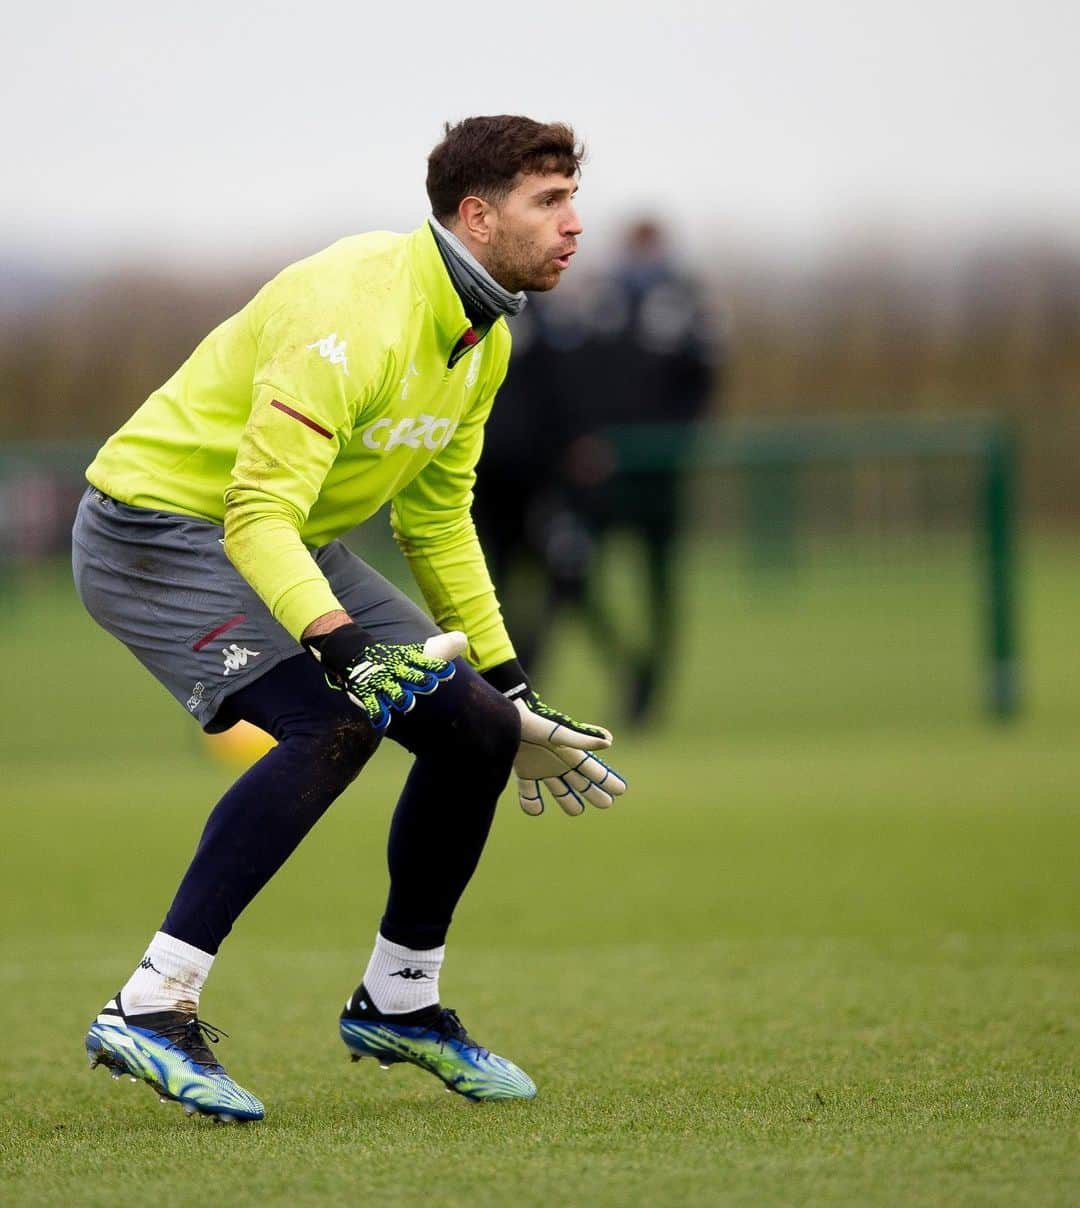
381, 678
555, 751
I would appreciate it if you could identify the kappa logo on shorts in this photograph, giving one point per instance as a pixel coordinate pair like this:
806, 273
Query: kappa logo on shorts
237, 657
195, 699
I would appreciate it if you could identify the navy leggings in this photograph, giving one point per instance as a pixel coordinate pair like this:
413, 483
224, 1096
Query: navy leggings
464, 737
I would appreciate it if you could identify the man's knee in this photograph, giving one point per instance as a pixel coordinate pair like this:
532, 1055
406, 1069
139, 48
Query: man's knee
312, 723
490, 728
327, 753
463, 717
344, 743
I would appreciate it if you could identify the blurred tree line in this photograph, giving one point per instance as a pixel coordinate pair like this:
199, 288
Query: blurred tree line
877, 326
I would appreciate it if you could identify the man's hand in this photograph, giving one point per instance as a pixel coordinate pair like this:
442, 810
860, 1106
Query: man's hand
556, 751
382, 678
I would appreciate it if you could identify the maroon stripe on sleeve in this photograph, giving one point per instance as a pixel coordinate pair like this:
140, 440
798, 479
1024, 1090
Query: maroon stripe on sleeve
216, 633
308, 423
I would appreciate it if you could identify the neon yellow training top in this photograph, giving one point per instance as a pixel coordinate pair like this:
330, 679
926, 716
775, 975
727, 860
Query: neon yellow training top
300, 416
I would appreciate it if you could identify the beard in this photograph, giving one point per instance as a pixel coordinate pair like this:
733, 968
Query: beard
518, 264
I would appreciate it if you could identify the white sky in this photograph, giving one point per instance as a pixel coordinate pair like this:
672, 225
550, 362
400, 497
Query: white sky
215, 129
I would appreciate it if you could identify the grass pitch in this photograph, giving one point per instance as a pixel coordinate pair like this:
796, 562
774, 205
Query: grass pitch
825, 950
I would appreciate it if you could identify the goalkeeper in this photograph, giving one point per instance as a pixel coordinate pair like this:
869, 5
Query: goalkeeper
208, 543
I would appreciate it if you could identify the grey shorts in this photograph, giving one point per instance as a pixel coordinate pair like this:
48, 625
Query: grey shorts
164, 586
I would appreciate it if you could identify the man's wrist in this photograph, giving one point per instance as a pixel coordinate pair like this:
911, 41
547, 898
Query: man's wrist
509, 678
338, 647
327, 623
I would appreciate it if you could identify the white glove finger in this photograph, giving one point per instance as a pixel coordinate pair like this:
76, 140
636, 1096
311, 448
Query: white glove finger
529, 797
595, 770
567, 799
542, 730
567, 737
446, 645
584, 787
597, 796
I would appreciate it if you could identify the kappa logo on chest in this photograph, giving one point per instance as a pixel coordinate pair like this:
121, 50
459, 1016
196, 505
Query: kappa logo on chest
474, 366
333, 350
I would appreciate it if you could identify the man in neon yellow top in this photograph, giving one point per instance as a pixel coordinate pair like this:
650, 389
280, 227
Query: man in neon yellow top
208, 543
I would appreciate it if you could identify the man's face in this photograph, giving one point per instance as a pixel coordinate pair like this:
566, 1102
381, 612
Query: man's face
533, 233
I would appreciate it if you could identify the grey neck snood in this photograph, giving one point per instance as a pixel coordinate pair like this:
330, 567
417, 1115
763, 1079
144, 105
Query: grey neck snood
484, 298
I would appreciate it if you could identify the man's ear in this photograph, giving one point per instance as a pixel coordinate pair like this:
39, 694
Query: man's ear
476, 217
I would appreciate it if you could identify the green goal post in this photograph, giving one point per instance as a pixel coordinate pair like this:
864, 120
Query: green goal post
778, 448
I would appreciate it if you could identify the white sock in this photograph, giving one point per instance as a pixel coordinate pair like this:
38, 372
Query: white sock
169, 977
400, 979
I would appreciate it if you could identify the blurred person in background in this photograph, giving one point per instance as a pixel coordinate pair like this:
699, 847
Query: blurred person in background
208, 543
633, 347
537, 547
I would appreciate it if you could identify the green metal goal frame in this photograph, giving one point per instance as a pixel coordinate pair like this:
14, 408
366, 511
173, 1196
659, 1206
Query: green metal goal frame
783, 445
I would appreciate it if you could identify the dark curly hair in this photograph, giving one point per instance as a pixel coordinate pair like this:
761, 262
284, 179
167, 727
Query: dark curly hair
482, 157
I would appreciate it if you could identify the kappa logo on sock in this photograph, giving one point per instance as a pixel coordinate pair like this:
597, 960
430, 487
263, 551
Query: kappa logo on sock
412, 974
147, 963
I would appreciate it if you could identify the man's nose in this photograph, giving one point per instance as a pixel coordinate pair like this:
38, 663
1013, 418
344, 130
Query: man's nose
572, 223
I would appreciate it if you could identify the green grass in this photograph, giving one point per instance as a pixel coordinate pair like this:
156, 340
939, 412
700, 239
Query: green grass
826, 950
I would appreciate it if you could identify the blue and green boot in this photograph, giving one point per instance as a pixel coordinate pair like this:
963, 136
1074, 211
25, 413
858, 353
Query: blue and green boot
170, 1050
435, 1040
